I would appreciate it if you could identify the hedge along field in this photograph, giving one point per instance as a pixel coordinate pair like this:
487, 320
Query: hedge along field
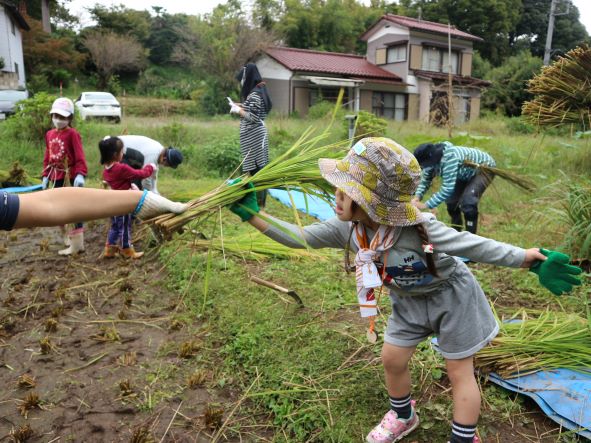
308, 375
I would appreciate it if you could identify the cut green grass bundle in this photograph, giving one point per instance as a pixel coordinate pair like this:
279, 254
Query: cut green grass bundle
256, 246
534, 342
520, 181
561, 92
296, 169
576, 215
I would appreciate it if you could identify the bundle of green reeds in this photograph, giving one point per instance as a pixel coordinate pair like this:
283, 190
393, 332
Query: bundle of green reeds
255, 245
562, 92
296, 169
576, 215
520, 181
541, 341
16, 176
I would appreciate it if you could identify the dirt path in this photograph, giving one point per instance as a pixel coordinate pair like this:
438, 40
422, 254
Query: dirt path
100, 344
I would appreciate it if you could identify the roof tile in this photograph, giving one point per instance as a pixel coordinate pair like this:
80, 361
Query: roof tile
306, 60
424, 25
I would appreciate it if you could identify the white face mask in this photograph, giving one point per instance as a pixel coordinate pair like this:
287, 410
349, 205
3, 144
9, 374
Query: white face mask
59, 123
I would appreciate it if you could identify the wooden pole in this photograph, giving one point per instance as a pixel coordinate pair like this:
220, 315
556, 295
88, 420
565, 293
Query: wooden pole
449, 84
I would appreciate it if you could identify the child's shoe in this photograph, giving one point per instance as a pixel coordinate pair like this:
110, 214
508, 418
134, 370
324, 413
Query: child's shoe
392, 428
111, 251
76, 243
130, 253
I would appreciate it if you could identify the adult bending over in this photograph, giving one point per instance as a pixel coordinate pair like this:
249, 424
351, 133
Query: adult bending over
140, 151
462, 186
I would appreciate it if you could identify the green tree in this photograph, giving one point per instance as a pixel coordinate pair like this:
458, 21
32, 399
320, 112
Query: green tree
123, 21
266, 13
491, 20
166, 33
509, 91
530, 31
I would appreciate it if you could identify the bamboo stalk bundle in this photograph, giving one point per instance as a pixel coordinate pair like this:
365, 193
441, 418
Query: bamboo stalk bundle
520, 181
550, 340
296, 169
562, 91
576, 215
255, 245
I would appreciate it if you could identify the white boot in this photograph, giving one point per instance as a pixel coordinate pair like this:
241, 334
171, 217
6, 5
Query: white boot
65, 235
76, 243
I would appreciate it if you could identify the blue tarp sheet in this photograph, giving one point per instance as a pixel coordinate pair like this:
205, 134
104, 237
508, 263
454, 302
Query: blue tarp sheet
316, 207
21, 189
562, 394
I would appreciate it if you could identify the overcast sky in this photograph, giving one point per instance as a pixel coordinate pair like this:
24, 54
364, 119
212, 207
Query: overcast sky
77, 7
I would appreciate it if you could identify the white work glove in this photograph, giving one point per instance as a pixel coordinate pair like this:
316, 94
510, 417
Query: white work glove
45, 182
152, 205
79, 181
154, 165
235, 109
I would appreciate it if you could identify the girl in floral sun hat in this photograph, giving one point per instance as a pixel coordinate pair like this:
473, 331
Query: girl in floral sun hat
412, 255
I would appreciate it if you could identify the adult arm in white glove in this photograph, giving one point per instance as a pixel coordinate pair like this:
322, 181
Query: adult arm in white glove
235, 109
79, 181
59, 206
45, 182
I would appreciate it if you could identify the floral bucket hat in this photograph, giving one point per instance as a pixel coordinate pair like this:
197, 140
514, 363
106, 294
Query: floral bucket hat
380, 176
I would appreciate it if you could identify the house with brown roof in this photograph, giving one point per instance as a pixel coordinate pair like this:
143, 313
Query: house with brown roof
403, 76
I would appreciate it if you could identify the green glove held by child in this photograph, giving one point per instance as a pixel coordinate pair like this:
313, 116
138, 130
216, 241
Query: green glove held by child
555, 273
248, 202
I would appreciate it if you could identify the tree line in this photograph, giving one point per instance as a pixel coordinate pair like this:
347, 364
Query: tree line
196, 56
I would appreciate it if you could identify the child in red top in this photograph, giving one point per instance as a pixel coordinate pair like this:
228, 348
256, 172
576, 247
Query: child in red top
120, 176
64, 154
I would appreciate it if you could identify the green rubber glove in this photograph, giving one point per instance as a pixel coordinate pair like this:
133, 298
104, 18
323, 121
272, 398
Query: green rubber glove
249, 201
555, 273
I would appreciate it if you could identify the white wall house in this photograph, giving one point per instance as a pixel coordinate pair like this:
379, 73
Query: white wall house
12, 25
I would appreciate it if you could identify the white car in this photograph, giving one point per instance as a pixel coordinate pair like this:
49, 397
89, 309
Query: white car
98, 104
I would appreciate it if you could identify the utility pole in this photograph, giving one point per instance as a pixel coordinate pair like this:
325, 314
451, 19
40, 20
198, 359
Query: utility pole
45, 16
548, 48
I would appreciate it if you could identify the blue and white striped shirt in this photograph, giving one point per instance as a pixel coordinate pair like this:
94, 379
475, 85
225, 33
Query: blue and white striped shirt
451, 169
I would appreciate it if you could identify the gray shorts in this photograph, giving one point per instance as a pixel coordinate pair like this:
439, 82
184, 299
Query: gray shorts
457, 312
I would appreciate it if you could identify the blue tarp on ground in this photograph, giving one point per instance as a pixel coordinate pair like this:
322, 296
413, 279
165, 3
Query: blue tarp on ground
22, 189
562, 394
316, 207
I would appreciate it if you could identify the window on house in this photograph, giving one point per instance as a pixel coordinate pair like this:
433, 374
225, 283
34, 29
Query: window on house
326, 94
437, 59
396, 54
16, 70
389, 105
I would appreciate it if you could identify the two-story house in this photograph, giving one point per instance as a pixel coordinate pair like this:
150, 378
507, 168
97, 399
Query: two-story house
403, 76
12, 23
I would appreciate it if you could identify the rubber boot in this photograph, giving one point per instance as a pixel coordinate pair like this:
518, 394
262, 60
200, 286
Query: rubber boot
76, 243
471, 222
65, 235
130, 253
111, 251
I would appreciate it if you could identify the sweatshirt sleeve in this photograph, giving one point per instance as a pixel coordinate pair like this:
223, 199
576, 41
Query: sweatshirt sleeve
79, 159
332, 233
450, 164
476, 248
253, 106
426, 179
135, 174
44, 173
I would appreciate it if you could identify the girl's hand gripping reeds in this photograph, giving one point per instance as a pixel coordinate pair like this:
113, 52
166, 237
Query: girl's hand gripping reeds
554, 271
247, 206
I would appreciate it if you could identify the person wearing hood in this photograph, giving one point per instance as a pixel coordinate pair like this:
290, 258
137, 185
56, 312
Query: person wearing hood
462, 186
255, 106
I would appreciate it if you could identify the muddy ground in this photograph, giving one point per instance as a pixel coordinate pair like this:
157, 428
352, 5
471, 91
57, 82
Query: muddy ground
99, 344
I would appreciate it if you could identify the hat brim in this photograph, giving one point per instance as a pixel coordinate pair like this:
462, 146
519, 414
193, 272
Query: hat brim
398, 214
60, 112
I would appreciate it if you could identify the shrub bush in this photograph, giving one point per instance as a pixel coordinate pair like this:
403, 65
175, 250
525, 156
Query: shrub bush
32, 120
222, 156
37, 83
368, 125
154, 107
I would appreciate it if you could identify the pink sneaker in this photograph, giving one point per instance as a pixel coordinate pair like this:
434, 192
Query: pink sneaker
392, 429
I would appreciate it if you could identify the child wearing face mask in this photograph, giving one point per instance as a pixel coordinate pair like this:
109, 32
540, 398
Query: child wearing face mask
64, 156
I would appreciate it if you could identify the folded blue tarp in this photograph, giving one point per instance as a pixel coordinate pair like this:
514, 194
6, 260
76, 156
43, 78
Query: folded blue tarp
316, 207
22, 189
